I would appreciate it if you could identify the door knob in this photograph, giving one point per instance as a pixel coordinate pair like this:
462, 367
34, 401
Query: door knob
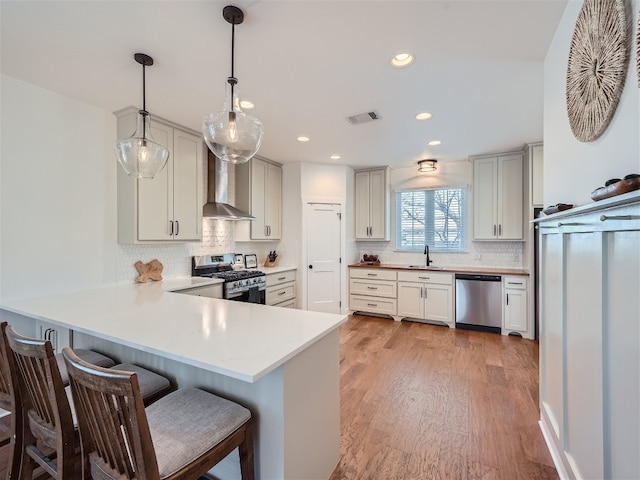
310, 266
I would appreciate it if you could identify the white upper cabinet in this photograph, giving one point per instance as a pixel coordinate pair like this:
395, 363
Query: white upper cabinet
372, 191
536, 158
498, 196
259, 191
169, 206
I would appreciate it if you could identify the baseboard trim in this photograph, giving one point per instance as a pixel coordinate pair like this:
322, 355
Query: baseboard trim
556, 455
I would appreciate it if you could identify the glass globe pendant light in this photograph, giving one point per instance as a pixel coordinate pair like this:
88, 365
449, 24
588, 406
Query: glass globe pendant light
232, 135
140, 155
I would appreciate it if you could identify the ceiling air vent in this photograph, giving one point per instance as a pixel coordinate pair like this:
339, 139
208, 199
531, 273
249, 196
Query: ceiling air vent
365, 117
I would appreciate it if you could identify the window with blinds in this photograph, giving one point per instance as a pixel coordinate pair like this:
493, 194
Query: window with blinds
431, 217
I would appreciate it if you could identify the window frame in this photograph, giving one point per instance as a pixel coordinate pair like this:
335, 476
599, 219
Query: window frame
463, 225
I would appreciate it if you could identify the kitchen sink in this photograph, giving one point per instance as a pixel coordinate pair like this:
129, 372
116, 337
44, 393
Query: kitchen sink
427, 268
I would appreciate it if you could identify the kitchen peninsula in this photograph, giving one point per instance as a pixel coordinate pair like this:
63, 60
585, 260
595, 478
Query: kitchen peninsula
281, 363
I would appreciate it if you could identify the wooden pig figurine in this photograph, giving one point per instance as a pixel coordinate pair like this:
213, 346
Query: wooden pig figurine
148, 271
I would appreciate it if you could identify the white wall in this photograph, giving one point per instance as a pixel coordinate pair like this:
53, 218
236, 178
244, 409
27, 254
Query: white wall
572, 170
57, 193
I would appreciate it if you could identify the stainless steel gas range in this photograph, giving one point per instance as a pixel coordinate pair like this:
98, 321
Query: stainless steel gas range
240, 285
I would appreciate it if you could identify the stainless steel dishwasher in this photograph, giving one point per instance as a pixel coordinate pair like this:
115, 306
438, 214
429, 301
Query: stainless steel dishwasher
479, 302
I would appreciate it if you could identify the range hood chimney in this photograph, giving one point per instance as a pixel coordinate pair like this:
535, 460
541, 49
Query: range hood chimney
218, 192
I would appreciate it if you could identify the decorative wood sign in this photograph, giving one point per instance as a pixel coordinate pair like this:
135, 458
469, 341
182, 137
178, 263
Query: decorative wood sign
597, 67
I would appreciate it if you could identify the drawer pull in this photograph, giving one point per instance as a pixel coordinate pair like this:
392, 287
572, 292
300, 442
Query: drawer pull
424, 278
515, 283
282, 293
282, 278
571, 224
372, 304
372, 288
372, 274
604, 218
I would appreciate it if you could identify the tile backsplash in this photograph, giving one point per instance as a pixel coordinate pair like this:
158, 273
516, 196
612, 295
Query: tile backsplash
479, 254
217, 237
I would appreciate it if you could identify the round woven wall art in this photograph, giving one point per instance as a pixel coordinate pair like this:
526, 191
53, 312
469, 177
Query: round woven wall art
597, 67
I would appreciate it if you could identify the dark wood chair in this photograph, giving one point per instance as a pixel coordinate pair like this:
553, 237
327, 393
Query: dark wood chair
50, 439
50, 436
11, 426
181, 436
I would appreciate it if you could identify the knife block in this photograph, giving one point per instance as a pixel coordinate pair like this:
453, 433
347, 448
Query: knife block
269, 263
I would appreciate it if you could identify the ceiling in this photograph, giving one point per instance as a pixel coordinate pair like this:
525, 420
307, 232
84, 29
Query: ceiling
306, 65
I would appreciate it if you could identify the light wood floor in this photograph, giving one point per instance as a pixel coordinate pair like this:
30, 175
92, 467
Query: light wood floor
428, 402
422, 401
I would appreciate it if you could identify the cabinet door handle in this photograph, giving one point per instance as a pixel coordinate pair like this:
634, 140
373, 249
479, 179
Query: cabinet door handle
177, 227
507, 299
500, 230
604, 218
421, 296
269, 230
170, 227
495, 230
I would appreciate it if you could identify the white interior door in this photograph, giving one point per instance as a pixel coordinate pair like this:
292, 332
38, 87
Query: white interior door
323, 257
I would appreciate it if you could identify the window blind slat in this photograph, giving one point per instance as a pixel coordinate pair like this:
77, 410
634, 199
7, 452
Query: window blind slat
431, 217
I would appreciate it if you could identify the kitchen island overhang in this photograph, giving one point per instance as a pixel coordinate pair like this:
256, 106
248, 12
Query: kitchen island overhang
282, 363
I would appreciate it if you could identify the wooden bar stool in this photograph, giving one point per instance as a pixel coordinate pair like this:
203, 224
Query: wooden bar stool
50, 436
181, 436
11, 424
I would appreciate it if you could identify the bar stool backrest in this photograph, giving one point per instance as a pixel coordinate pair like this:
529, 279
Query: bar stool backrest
113, 424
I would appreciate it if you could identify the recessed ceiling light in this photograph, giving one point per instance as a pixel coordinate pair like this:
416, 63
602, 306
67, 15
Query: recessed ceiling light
403, 59
335, 157
423, 116
433, 143
302, 138
247, 104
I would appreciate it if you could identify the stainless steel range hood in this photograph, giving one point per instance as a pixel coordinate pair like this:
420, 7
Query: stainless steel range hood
218, 192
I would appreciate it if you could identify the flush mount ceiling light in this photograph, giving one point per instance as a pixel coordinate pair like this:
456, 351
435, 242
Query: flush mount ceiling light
401, 60
335, 157
303, 138
140, 155
423, 116
232, 135
433, 143
429, 165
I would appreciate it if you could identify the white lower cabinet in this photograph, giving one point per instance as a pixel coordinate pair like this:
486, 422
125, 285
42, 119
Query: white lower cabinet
373, 291
59, 337
281, 289
514, 305
426, 296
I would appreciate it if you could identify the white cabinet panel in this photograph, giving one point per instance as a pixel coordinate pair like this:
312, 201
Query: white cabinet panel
372, 215
590, 338
426, 296
169, 206
498, 197
259, 191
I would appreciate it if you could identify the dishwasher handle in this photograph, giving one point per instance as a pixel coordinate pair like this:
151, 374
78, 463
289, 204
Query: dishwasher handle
478, 277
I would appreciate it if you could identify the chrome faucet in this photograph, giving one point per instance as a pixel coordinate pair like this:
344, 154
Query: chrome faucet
428, 261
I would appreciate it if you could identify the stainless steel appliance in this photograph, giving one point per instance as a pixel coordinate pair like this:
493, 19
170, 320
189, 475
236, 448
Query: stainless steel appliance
479, 302
240, 285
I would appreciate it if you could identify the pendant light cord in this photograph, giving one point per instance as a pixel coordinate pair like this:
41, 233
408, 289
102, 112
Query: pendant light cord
232, 79
144, 112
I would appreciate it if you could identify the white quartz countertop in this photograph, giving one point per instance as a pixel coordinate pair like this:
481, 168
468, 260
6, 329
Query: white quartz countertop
241, 340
